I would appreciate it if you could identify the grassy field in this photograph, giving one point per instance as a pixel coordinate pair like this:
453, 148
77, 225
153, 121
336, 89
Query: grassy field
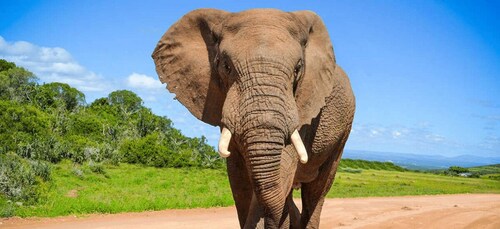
394, 183
126, 188
130, 188
488, 171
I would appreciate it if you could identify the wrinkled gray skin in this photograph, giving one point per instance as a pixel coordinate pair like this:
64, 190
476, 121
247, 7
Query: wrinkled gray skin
262, 74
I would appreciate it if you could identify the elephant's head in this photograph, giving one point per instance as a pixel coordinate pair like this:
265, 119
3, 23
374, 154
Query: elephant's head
258, 74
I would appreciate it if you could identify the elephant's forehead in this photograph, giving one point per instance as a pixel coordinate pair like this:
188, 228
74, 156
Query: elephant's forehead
258, 19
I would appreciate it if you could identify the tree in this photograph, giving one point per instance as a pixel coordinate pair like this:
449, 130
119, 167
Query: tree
59, 94
16, 83
127, 101
99, 103
457, 170
20, 124
147, 122
5, 65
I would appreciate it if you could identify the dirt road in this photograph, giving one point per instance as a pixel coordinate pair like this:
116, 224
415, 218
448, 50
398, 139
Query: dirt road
446, 211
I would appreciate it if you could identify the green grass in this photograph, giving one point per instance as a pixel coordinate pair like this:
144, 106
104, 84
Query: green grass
130, 188
487, 171
394, 183
133, 188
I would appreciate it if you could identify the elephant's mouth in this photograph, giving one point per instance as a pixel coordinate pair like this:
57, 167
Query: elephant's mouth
225, 138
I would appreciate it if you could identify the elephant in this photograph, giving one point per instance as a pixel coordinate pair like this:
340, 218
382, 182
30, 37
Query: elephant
270, 81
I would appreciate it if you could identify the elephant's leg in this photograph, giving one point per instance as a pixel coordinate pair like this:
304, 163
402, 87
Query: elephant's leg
240, 185
313, 193
255, 217
293, 211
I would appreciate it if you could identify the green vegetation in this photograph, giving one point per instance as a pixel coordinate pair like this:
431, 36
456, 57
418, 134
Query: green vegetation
60, 155
77, 189
41, 125
80, 189
20, 178
353, 165
487, 171
52, 122
394, 183
460, 171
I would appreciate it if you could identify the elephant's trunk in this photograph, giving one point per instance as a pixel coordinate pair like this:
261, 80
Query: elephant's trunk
265, 128
264, 148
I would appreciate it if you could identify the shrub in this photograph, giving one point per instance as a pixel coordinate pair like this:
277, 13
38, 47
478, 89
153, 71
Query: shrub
20, 179
41, 169
80, 148
78, 172
164, 151
96, 168
147, 151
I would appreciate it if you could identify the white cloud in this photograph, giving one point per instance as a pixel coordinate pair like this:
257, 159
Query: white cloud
435, 138
418, 138
398, 138
52, 64
396, 134
141, 81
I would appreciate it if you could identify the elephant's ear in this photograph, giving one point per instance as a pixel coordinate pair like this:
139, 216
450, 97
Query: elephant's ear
184, 59
318, 80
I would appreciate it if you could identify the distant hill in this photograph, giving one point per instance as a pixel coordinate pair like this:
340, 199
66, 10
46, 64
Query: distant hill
346, 164
416, 161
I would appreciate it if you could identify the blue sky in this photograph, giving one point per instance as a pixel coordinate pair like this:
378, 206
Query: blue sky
426, 74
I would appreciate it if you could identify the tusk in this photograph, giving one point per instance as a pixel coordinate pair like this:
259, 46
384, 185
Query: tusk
299, 146
225, 137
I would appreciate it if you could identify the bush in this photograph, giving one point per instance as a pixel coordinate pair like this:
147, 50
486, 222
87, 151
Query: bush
147, 150
41, 169
80, 148
46, 148
20, 179
78, 172
96, 168
161, 151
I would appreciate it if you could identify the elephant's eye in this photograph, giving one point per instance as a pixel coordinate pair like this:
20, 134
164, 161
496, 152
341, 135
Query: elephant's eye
226, 66
297, 74
298, 68
225, 63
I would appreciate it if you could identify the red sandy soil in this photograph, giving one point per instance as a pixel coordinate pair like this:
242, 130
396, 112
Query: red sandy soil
444, 211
